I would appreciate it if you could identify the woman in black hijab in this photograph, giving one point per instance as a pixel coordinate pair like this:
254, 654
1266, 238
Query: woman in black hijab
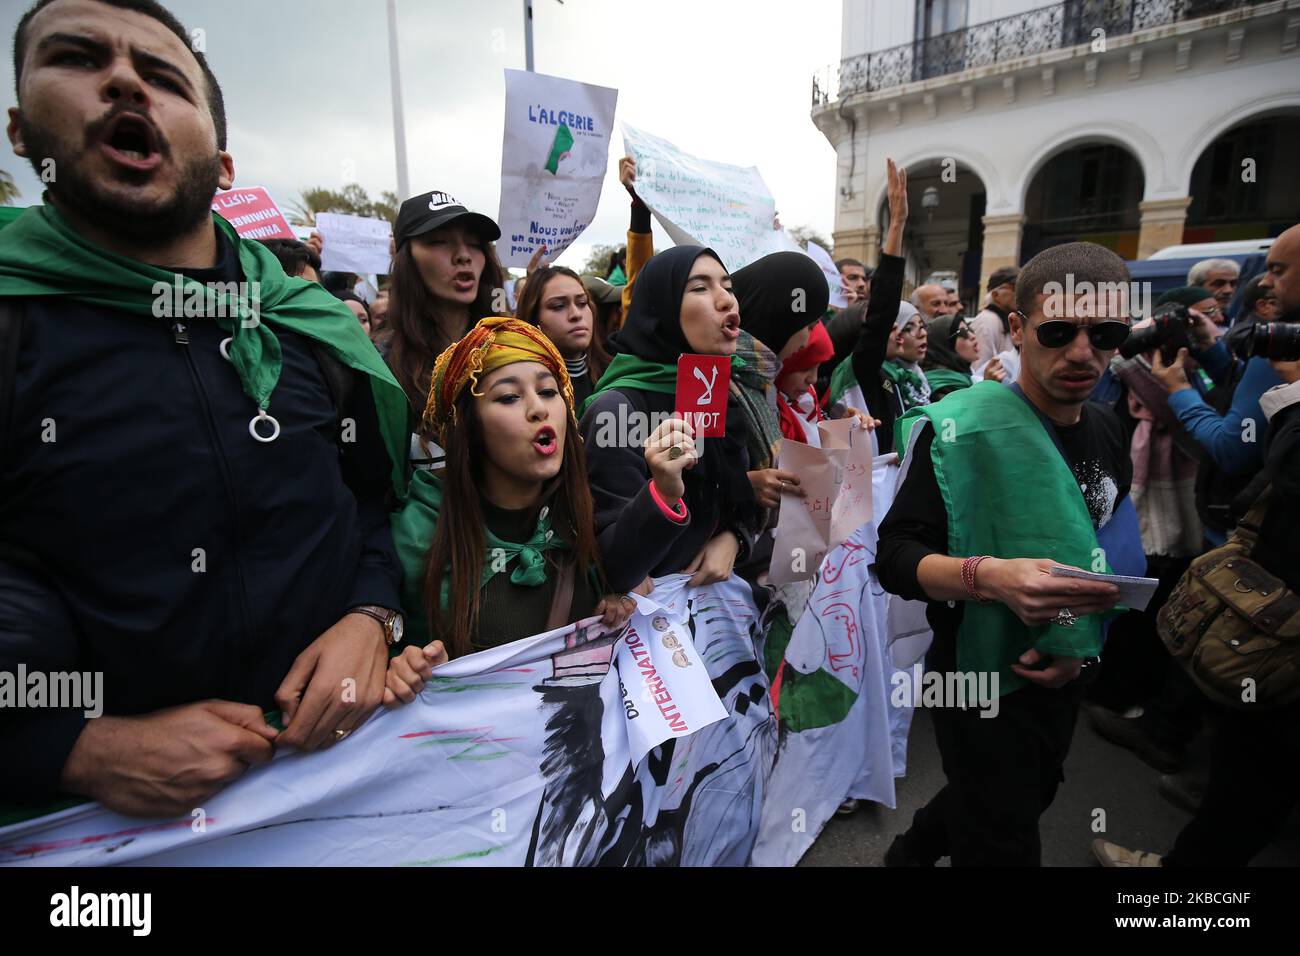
780, 296
952, 349
700, 519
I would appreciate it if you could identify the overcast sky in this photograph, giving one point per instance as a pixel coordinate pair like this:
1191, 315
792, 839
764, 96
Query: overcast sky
307, 90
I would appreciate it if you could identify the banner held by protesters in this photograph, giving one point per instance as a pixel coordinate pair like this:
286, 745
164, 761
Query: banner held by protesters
519, 755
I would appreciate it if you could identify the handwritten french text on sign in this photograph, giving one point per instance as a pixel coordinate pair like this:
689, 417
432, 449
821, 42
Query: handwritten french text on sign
354, 243
703, 382
253, 213
553, 162
837, 480
702, 202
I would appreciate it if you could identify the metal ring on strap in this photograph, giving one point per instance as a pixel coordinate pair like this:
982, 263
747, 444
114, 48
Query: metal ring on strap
224, 348
260, 417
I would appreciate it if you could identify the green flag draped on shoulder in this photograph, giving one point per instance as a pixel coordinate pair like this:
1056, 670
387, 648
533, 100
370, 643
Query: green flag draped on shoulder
41, 255
1009, 494
632, 372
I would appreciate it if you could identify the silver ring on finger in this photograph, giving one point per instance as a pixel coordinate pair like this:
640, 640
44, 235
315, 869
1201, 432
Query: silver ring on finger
1065, 618
341, 735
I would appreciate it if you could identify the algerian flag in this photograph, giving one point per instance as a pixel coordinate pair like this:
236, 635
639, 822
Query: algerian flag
559, 148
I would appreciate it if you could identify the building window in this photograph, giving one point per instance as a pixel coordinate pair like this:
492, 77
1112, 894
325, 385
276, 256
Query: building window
940, 46
935, 17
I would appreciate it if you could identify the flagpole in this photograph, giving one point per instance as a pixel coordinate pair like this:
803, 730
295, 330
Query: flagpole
528, 35
399, 126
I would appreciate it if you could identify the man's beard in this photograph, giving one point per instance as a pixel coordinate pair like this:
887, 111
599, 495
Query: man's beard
150, 224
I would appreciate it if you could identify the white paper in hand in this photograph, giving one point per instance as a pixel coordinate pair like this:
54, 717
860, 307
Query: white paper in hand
666, 690
1134, 593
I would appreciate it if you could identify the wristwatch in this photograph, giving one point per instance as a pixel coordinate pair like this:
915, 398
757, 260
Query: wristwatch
393, 623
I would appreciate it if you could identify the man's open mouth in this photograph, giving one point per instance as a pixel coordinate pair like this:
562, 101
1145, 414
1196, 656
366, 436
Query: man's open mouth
130, 139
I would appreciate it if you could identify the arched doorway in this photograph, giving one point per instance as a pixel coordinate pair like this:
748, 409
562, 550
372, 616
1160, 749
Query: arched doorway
1244, 184
945, 231
1087, 192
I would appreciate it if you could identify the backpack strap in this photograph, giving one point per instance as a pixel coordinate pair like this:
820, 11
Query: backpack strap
1252, 522
11, 334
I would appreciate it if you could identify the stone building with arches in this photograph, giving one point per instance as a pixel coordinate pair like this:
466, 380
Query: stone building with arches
1137, 124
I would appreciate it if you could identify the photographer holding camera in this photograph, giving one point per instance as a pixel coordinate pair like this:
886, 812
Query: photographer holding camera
1232, 433
1246, 662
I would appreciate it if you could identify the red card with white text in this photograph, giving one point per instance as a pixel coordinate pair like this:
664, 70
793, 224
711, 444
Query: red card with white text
253, 213
703, 382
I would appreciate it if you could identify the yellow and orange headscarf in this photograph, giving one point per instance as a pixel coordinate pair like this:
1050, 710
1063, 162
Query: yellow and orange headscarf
495, 341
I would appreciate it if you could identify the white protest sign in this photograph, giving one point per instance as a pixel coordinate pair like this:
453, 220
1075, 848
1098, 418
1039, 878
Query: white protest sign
827, 264
665, 687
554, 155
837, 482
354, 243
702, 202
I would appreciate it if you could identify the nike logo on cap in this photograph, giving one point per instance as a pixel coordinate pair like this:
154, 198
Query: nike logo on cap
439, 200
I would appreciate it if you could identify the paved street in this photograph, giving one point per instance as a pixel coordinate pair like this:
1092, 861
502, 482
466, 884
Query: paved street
1097, 774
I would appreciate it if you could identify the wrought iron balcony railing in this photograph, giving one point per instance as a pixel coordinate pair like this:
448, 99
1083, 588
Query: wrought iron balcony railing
997, 41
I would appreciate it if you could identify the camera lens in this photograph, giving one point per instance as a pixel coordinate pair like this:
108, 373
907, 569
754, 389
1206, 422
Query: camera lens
1275, 340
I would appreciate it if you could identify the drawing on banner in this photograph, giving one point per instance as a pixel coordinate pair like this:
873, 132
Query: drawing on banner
518, 755
554, 156
702, 202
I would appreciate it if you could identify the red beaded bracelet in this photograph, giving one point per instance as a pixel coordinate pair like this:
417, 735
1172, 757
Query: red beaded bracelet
968, 569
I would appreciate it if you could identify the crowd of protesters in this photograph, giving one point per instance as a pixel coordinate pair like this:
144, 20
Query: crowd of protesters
229, 517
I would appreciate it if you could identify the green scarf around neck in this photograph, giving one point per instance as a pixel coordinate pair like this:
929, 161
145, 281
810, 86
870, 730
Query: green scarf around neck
1009, 494
911, 385
414, 526
946, 378
41, 255
632, 372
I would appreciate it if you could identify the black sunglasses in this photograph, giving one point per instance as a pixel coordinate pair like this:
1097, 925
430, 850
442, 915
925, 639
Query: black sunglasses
1058, 333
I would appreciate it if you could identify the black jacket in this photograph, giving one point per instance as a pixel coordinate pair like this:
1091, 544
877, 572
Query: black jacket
873, 345
145, 534
1278, 549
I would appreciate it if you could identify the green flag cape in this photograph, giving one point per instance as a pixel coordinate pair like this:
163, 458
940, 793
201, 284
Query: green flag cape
41, 255
562, 143
633, 372
413, 529
842, 379
1009, 494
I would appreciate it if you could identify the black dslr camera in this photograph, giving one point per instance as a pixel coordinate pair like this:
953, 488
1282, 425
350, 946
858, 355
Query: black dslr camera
1279, 341
1171, 332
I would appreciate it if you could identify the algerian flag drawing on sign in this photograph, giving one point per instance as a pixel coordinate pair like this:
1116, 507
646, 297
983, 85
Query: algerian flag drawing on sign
559, 149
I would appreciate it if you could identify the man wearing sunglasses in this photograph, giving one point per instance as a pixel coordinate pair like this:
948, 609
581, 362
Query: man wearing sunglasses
1003, 484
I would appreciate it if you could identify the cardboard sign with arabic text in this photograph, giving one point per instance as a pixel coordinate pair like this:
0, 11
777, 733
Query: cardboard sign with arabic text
837, 480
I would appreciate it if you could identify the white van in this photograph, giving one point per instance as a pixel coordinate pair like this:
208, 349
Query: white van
1214, 250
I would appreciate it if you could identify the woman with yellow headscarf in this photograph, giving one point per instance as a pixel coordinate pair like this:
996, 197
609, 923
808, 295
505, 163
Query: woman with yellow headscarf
501, 543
